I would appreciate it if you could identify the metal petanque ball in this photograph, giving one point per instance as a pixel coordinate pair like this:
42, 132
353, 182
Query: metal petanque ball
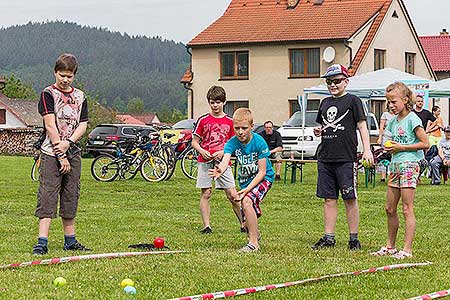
130, 290
126, 282
59, 282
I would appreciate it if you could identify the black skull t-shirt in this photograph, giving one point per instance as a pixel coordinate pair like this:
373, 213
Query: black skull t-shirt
339, 118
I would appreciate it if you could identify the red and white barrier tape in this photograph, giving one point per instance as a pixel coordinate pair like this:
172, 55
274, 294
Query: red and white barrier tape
435, 295
244, 291
53, 261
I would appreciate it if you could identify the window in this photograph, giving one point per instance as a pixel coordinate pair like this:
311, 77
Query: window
234, 65
409, 62
312, 105
304, 62
2, 116
231, 106
379, 58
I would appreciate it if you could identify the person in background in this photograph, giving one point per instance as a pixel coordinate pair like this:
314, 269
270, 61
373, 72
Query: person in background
273, 140
442, 159
435, 129
384, 136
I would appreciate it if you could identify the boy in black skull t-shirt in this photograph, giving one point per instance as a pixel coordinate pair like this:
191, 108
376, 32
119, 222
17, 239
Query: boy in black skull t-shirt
340, 116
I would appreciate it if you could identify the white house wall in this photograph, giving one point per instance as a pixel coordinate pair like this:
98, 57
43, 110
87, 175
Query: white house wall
12, 121
268, 88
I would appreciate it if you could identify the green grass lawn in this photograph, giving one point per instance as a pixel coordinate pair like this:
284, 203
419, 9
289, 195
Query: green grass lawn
112, 216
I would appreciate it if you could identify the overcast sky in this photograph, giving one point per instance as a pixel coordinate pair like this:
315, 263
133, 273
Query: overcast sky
178, 20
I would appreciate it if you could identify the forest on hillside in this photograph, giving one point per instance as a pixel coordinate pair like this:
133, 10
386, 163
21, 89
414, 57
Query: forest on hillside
115, 68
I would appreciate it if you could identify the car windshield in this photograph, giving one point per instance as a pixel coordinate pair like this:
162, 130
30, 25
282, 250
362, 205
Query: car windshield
296, 120
104, 130
184, 124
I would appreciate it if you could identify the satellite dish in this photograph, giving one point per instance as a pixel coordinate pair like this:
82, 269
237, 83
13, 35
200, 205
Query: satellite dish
329, 54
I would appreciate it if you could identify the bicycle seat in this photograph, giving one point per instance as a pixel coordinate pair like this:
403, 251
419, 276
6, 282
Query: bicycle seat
169, 135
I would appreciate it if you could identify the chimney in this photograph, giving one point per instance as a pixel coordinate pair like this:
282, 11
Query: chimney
444, 32
318, 2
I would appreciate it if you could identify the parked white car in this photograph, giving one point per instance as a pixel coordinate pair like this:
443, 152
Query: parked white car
295, 143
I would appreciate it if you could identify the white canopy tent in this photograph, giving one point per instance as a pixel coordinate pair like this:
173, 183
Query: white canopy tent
368, 85
440, 89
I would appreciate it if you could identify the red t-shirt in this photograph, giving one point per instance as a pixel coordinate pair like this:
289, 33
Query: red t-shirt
213, 132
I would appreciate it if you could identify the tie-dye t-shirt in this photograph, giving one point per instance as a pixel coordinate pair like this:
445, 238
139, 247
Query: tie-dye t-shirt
213, 132
70, 109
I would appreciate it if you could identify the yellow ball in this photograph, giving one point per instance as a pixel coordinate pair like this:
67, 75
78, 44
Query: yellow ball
59, 281
127, 282
388, 144
366, 164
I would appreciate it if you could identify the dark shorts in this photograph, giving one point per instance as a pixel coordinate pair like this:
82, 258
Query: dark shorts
335, 177
54, 186
257, 194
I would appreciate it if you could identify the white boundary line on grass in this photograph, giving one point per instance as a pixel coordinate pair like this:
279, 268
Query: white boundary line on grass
244, 291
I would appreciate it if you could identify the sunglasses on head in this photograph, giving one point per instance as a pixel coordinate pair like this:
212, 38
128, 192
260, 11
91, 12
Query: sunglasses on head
336, 81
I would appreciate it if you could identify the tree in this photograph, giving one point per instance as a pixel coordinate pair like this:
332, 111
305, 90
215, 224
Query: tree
135, 105
119, 105
17, 89
171, 116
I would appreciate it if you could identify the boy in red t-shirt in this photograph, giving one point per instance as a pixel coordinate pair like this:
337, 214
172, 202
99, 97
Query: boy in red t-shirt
210, 134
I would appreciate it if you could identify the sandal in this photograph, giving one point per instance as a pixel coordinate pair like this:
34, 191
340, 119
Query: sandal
385, 251
402, 254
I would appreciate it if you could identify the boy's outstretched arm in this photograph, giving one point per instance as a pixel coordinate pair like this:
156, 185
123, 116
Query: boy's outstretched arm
364, 132
218, 170
258, 178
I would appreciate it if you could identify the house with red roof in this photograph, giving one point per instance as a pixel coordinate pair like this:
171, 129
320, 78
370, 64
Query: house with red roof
437, 49
265, 52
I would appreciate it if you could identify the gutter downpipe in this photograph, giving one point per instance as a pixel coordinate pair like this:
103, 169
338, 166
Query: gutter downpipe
187, 85
351, 53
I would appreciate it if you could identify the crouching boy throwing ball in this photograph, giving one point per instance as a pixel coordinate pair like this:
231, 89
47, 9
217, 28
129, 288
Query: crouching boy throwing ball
255, 173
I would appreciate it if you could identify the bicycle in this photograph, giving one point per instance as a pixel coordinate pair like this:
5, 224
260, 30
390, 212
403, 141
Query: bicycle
139, 155
35, 168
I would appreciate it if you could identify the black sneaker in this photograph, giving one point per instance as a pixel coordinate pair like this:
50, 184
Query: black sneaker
39, 249
76, 247
244, 230
354, 245
206, 230
323, 243
277, 177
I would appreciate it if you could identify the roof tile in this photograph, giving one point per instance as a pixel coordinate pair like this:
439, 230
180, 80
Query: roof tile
437, 49
261, 21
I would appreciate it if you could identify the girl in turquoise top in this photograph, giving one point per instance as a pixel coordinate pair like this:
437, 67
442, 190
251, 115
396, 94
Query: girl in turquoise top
406, 145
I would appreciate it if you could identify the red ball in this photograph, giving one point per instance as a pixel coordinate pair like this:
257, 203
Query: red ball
158, 242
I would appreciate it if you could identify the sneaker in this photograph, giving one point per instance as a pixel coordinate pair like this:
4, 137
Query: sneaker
248, 248
324, 243
77, 246
382, 180
206, 230
244, 230
354, 245
402, 255
277, 177
39, 249
384, 251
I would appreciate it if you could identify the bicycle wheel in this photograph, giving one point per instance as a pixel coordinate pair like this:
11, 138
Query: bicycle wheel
168, 154
35, 169
189, 164
154, 169
128, 169
104, 168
